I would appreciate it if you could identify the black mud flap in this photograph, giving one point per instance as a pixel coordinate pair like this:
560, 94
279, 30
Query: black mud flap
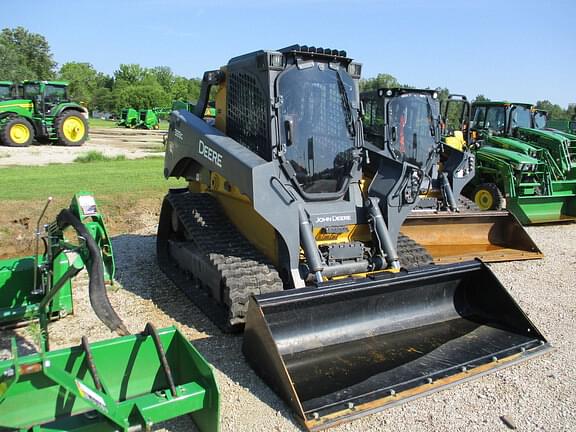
353, 347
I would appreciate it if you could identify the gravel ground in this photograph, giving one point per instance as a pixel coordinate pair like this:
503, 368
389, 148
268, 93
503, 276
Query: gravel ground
132, 143
538, 395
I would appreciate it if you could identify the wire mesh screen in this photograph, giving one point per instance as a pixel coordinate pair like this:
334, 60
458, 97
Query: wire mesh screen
247, 121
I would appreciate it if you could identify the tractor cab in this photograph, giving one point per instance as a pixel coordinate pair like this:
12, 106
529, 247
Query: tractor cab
539, 119
6, 90
501, 118
46, 95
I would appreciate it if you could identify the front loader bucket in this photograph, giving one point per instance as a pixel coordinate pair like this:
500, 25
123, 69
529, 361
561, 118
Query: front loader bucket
454, 237
544, 209
352, 347
126, 383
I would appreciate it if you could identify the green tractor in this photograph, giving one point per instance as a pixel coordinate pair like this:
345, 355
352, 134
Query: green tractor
43, 111
129, 118
521, 166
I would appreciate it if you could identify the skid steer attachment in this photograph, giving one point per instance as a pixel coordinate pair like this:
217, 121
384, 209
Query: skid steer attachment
123, 384
351, 348
40, 286
454, 237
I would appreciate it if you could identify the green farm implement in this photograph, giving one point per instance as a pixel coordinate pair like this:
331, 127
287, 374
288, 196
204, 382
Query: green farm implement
39, 286
43, 111
123, 384
526, 169
148, 119
129, 118
127, 383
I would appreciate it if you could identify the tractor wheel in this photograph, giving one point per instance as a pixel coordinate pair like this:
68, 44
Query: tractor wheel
17, 132
487, 196
71, 128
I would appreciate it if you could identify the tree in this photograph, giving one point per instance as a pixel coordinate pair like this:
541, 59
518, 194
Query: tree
28, 55
481, 98
164, 76
130, 73
83, 80
554, 111
11, 68
381, 81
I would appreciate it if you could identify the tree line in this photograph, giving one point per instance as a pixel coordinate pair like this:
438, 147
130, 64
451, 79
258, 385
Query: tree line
26, 55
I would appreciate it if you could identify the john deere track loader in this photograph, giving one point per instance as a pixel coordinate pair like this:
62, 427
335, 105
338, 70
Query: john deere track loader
284, 230
399, 123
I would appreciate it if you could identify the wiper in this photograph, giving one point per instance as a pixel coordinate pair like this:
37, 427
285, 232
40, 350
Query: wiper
346, 104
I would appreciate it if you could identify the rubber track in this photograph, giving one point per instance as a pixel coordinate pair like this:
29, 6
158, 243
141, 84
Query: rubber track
467, 205
412, 255
243, 269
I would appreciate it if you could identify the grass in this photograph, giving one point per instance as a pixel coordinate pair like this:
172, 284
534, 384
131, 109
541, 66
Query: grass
140, 178
96, 122
96, 156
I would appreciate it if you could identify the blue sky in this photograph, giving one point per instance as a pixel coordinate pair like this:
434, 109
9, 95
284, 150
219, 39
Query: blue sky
506, 49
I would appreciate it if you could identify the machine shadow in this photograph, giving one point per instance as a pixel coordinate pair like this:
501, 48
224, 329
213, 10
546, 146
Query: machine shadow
138, 272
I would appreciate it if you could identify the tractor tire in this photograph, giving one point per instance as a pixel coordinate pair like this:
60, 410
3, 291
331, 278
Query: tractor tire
71, 128
487, 196
17, 132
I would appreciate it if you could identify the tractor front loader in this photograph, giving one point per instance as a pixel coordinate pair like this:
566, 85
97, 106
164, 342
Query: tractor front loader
521, 166
287, 230
406, 124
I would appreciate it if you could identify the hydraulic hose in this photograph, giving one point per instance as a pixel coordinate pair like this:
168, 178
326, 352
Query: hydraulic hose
95, 266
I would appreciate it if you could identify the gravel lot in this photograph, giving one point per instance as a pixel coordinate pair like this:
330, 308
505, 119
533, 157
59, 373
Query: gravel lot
132, 143
538, 395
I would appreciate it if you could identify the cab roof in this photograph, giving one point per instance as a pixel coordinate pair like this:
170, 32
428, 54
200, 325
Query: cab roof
501, 103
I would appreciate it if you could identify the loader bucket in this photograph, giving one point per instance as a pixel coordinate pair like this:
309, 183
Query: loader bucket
549, 209
352, 347
545, 209
455, 237
126, 383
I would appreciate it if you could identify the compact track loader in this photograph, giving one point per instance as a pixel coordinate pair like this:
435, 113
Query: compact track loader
286, 230
406, 125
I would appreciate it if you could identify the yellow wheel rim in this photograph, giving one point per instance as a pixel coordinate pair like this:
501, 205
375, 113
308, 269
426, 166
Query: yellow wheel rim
73, 129
484, 199
19, 133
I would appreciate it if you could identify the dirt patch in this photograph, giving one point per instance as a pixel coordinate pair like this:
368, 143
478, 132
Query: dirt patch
122, 213
131, 143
